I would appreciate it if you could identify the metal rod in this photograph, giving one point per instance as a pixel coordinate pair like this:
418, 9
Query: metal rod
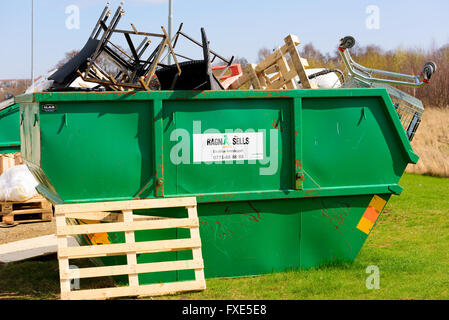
171, 52
200, 45
170, 26
149, 34
32, 45
364, 74
98, 25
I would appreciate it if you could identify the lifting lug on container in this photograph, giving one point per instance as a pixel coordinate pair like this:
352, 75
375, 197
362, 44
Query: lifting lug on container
160, 187
299, 180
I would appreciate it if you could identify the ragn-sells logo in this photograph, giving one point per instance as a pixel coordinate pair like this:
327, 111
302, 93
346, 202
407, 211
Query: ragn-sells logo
226, 142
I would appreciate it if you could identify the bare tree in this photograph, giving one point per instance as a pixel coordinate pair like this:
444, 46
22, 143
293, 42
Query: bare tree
102, 61
68, 56
241, 60
263, 53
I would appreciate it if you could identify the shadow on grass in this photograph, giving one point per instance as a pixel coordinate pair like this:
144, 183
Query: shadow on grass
39, 279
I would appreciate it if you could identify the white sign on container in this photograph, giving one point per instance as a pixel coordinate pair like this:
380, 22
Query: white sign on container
216, 147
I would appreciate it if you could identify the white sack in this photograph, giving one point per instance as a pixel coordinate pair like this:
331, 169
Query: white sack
17, 184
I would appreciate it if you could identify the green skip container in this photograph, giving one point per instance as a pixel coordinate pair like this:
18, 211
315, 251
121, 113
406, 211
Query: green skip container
9, 128
283, 179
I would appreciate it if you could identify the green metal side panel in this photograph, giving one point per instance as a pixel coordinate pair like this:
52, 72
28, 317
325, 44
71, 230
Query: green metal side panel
349, 142
197, 117
101, 153
10, 130
330, 152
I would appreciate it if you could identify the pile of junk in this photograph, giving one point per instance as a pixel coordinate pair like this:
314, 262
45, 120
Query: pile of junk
103, 65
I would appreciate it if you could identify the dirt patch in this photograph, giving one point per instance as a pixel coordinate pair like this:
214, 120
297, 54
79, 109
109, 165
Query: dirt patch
27, 231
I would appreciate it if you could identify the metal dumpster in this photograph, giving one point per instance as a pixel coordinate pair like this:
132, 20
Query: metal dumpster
9, 127
284, 179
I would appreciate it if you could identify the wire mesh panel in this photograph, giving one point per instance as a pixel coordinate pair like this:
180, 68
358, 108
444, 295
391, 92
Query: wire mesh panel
409, 109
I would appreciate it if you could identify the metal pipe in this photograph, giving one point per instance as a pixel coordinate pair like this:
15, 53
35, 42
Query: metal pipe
98, 25
364, 74
32, 45
170, 26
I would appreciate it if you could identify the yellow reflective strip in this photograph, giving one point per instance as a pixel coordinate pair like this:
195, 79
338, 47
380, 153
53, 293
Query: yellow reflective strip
365, 225
378, 203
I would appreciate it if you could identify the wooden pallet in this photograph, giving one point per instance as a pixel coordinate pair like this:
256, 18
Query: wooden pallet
9, 160
278, 70
127, 223
37, 209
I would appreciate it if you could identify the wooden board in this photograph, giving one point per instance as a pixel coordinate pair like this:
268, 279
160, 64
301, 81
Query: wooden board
128, 223
30, 248
8, 161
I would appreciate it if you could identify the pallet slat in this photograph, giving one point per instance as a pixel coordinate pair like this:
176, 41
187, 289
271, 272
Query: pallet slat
128, 226
124, 248
145, 290
97, 272
126, 205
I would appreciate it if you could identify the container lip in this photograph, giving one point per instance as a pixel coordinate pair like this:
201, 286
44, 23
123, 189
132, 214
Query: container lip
413, 158
54, 97
13, 108
197, 95
6, 104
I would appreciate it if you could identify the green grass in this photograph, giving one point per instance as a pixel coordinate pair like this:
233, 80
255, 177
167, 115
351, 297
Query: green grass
410, 245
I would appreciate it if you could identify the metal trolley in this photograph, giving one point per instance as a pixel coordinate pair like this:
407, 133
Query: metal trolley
409, 109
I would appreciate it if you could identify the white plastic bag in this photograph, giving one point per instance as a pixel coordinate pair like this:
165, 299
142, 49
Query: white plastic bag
326, 81
17, 184
42, 83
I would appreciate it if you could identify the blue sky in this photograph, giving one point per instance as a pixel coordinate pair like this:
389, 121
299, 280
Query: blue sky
234, 27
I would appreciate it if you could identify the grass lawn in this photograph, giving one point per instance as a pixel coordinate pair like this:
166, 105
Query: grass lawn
410, 245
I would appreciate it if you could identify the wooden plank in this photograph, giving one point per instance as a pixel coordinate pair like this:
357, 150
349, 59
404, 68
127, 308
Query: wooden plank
253, 76
30, 248
291, 41
269, 61
283, 67
195, 235
124, 248
125, 205
64, 266
281, 82
94, 216
304, 62
269, 64
6, 163
241, 81
36, 199
272, 69
109, 216
131, 257
146, 290
12, 217
128, 226
29, 211
97, 272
